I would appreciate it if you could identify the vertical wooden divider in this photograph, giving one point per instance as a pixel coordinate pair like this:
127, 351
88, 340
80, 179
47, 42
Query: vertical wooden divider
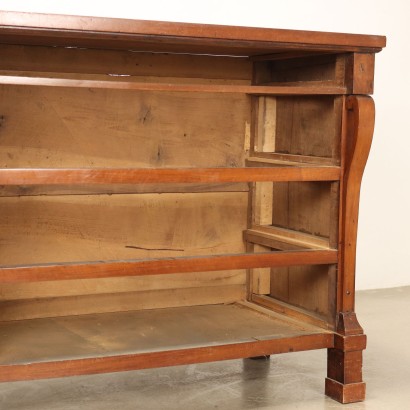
261, 193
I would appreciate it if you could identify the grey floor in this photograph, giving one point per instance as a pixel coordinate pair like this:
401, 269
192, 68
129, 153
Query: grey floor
291, 381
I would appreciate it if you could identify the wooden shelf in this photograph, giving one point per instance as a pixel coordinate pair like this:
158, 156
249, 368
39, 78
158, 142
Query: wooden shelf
172, 87
285, 239
97, 343
38, 176
82, 270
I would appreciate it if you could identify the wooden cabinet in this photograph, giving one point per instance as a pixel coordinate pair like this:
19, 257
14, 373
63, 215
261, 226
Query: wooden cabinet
178, 193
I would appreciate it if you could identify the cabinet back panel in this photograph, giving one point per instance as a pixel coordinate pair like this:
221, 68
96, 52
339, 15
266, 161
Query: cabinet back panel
102, 227
141, 64
49, 127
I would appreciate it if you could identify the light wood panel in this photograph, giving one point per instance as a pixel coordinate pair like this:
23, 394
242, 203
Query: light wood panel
102, 227
58, 128
88, 189
304, 207
308, 126
160, 86
81, 287
79, 345
118, 302
144, 65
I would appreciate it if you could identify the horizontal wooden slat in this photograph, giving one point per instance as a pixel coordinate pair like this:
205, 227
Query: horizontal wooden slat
36, 176
202, 88
63, 368
84, 189
76, 28
273, 157
164, 266
286, 239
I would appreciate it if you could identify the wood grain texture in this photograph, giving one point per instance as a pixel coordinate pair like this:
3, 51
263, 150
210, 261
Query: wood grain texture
30, 28
279, 238
166, 87
360, 126
345, 393
345, 360
46, 127
307, 126
25, 273
118, 285
59, 229
360, 73
290, 311
94, 63
102, 303
96, 189
81, 344
20, 176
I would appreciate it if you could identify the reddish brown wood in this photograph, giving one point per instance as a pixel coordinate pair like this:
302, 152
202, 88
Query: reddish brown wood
344, 361
360, 73
40, 176
360, 125
199, 88
31, 28
345, 393
44, 370
348, 324
107, 269
353, 73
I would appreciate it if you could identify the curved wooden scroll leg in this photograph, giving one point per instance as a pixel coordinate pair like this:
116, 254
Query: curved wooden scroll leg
344, 377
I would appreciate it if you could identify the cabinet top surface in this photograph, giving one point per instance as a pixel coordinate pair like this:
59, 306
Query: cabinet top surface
157, 36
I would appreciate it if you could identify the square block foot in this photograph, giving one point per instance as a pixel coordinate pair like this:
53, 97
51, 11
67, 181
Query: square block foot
345, 393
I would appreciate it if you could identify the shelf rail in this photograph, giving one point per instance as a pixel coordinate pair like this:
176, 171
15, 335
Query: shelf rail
53, 176
161, 266
174, 87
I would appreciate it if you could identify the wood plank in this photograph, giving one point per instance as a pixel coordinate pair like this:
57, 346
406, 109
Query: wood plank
33, 308
154, 338
293, 159
266, 127
291, 311
118, 285
37, 176
274, 234
72, 228
261, 213
260, 276
304, 207
104, 29
109, 364
164, 266
45, 127
200, 88
306, 126
84, 189
71, 61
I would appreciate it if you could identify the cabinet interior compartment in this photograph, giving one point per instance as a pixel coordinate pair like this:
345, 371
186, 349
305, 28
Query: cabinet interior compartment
145, 320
